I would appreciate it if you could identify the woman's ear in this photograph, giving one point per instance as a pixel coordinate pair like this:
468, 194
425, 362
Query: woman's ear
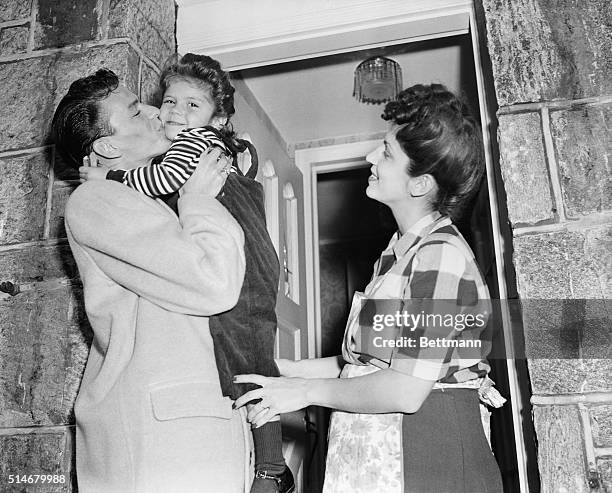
419, 186
104, 148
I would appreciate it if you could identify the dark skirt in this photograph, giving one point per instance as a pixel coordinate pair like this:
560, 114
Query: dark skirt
445, 449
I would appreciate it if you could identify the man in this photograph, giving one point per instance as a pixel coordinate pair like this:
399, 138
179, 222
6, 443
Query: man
150, 414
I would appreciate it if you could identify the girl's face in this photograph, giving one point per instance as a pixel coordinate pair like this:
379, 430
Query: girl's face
389, 180
186, 104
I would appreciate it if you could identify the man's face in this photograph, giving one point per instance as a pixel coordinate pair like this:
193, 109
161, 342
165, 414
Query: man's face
137, 130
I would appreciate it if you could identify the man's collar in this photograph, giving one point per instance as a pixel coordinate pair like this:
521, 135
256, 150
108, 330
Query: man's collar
414, 234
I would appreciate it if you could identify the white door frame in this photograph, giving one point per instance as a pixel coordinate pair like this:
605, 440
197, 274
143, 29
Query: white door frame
337, 157
311, 162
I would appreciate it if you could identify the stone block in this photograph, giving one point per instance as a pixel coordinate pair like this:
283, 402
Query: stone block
524, 170
120, 58
23, 197
549, 49
149, 23
61, 192
28, 102
44, 337
37, 263
565, 264
64, 23
11, 10
44, 453
567, 376
34, 86
561, 460
14, 40
601, 422
604, 466
574, 265
149, 85
598, 245
584, 155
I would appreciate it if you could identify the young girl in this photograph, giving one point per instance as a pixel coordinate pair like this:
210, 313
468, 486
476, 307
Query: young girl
196, 106
406, 418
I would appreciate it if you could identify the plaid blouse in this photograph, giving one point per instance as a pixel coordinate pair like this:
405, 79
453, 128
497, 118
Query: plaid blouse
429, 263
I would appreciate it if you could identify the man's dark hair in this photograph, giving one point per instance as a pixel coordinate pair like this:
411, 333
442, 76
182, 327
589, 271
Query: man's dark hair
78, 120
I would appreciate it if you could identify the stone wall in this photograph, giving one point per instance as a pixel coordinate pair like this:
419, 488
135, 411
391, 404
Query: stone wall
552, 71
44, 46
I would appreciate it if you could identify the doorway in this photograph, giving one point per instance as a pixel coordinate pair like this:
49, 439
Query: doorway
329, 132
345, 249
353, 230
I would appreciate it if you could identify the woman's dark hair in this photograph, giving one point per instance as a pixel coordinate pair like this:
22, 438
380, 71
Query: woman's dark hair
78, 120
208, 72
442, 139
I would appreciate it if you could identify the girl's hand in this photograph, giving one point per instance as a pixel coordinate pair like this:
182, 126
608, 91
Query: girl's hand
90, 163
89, 173
210, 174
278, 395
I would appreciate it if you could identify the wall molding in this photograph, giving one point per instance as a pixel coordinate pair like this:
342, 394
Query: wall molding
274, 31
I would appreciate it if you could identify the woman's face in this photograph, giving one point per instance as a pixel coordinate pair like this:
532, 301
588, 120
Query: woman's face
186, 104
388, 182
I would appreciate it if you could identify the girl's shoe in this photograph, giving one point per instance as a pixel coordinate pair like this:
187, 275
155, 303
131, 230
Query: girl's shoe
265, 482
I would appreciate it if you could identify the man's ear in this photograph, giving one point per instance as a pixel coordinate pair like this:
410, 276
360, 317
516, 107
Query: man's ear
104, 148
419, 186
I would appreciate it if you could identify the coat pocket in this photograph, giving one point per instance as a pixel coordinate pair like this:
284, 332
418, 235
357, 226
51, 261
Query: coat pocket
189, 399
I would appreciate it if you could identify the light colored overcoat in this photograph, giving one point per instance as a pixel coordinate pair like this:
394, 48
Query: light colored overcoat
150, 415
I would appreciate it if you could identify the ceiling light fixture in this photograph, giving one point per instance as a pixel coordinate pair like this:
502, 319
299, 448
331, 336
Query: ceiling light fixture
377, 80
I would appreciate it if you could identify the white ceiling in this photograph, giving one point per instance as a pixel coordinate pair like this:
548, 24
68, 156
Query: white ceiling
312, 99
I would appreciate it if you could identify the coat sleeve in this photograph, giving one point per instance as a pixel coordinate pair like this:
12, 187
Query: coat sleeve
193, 266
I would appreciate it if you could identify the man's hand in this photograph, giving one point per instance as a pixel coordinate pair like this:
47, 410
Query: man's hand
210, 174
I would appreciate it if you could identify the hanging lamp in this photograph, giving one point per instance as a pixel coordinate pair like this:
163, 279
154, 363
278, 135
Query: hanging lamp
377, 80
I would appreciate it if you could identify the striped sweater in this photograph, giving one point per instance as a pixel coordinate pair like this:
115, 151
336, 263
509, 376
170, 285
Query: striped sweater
178, 164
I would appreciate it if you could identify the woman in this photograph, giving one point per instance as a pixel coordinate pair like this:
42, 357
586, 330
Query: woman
407, 419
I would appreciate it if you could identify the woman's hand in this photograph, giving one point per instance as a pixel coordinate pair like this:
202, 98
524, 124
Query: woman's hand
210, 174
278, 395
286, 367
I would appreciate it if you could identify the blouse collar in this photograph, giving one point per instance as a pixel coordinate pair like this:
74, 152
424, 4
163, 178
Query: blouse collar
414, 234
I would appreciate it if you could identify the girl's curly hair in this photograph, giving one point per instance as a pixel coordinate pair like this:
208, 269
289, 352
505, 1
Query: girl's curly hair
208, 72
442, 139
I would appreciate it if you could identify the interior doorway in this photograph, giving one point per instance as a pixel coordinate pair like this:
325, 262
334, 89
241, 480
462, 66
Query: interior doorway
353, 230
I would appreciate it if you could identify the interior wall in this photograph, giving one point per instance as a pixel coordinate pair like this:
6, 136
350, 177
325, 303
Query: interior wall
251, 118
